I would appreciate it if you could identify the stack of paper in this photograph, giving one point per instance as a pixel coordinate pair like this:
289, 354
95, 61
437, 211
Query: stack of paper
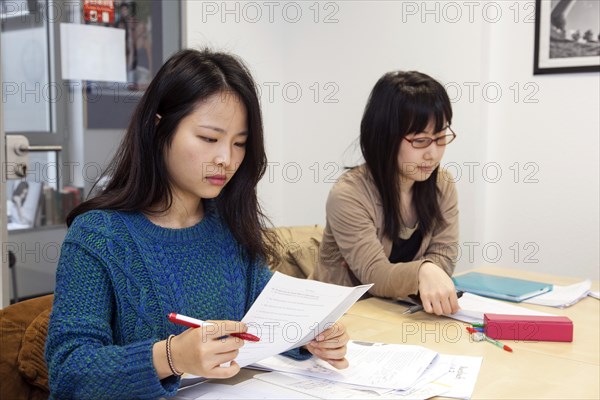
290, 312
472, 308
564, 296
390, 366
377, 371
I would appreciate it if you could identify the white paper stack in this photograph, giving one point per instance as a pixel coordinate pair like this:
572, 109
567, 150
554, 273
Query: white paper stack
563, 296
376, 371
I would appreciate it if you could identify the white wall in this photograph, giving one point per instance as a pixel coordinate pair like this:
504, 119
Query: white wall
256, 44
310, 137
554, 219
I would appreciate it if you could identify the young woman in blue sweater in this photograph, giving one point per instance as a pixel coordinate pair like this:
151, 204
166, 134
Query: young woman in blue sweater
177, 228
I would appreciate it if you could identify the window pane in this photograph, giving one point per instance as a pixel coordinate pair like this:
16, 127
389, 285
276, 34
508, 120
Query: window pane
25, 69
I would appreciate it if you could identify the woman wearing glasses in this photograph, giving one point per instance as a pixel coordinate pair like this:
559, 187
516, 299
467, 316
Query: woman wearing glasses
393, 221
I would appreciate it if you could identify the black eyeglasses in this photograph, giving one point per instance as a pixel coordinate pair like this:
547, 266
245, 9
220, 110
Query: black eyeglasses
422, 142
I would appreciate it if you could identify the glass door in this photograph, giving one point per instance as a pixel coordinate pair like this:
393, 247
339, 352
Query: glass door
35, 102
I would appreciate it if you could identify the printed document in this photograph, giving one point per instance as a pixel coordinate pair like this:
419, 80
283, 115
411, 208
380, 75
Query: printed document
461, 377
290, 312
373, 365
448, 376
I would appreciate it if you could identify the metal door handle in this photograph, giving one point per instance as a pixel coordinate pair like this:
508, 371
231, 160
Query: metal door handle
23, 148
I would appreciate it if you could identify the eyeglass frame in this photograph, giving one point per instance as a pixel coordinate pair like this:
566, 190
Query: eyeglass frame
433, 140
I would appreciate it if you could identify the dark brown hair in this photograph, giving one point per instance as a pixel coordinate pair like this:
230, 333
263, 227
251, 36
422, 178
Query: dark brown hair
138, 178
399, 104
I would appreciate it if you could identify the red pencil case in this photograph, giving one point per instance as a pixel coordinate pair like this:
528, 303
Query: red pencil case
528, 327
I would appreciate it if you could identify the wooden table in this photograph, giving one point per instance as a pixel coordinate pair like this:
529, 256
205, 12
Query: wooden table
538, 370
535, 370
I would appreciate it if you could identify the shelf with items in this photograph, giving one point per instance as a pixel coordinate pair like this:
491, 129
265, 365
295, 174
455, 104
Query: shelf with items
39, 199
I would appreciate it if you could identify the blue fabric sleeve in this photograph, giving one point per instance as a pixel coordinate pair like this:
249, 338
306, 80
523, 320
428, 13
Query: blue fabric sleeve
299, 353
83, 361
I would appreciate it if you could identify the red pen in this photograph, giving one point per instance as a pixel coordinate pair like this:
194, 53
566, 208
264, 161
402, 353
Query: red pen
196, 323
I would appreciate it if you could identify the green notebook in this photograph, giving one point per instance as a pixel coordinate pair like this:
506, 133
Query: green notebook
500, 287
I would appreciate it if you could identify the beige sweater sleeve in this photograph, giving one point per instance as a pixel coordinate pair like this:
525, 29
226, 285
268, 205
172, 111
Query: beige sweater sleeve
352, 219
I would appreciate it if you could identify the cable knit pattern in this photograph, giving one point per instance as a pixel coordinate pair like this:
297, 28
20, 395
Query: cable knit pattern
118, 277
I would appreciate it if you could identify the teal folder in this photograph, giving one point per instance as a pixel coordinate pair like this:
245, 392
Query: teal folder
500, 287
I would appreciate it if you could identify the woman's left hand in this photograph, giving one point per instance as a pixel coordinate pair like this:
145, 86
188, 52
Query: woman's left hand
330, 345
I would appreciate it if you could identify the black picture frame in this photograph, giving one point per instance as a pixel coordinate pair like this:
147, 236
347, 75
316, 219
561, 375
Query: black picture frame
556, 51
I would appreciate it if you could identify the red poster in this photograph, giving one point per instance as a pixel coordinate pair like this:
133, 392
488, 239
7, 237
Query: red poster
100, 11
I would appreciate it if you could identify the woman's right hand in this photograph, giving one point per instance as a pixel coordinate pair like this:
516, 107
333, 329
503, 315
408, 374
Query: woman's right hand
201, 351
437, 291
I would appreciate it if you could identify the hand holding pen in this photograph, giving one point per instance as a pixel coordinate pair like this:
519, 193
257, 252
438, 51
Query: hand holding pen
208, 352
196, 323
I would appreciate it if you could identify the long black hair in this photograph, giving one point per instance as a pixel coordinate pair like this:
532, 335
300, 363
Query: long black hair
399, 104
138, 178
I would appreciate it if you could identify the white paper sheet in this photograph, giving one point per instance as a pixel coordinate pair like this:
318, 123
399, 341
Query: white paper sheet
439, 367
462, 376
94, 53
562, 296
290, 312
386, 366
448, 376
248, 389
472, 308
321, 388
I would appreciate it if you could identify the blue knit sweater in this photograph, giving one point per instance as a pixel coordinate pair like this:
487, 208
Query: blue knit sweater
118, 277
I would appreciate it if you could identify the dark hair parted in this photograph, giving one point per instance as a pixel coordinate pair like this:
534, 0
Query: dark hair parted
138, 178
402, 103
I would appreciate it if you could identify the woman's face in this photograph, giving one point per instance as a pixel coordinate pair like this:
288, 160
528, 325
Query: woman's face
208, 147
417, 165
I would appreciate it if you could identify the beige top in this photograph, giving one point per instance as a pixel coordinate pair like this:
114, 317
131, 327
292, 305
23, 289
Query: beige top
354, 233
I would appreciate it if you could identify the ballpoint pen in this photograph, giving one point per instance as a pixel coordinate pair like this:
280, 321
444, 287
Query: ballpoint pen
196, 323
497, 343
419, 307
479, 336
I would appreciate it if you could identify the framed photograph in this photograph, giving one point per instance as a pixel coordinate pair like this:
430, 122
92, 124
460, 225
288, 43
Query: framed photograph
22, 203
567, 36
